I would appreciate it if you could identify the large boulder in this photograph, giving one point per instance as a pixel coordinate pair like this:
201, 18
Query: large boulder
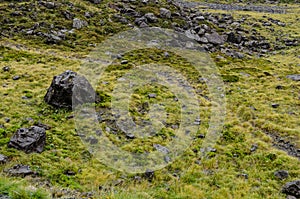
292, 188
68, 89
29, 140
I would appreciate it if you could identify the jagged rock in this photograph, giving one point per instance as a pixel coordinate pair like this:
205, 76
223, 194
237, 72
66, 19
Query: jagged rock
165, 13
78, 23
215, 38
281, 174
292, 188
20, 170
295, 77
69, 89
3, 159
29, 139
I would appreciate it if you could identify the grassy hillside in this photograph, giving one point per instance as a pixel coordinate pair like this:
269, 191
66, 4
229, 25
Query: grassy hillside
66, 168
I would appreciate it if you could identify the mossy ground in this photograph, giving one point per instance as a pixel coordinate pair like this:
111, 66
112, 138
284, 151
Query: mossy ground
250, 83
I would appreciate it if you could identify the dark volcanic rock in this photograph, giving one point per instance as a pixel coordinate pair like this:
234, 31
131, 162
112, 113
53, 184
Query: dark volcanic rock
20, 170
69, 89
29, 140
292, 188
234, 38
281, 174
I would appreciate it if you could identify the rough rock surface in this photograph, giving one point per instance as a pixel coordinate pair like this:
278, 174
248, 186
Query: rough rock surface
20, 170
292, 188
29, 140
69, 89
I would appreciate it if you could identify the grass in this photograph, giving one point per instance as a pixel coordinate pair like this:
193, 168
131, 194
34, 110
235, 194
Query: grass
250, 86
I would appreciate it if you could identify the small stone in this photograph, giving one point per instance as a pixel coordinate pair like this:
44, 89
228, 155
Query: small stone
243, 175
124, 62
17, 77
295, 77
149, 174
29, 139
253, 148
69, 173
281, 174
152, 95
7, 120
130, 136
92, 140
161, 148
20, 170
279, 87
3, 159
275, 105
78, 23
6, 68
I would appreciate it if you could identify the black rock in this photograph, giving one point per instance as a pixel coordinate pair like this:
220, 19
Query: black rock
295, 77
6, 68
29, 140
149, 174
17, 77
20, 170
3, 159
234, 38
281, 174
275, 105
292, 188
4, 196
69, 89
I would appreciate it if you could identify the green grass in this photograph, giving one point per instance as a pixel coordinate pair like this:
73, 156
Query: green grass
250, 82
